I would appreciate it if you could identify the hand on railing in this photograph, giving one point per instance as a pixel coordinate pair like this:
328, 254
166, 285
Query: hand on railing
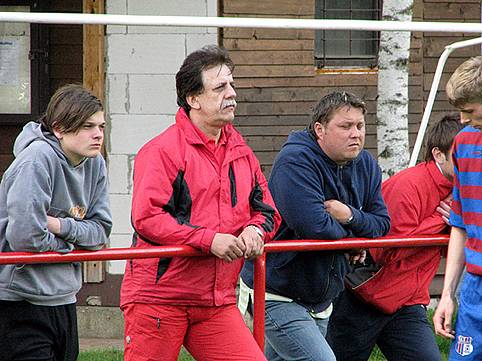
227, 247
253, 242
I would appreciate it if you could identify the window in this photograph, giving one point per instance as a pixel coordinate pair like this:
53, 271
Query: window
347, 48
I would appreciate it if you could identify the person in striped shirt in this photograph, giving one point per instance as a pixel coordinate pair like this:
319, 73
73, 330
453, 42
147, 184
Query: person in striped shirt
464, 91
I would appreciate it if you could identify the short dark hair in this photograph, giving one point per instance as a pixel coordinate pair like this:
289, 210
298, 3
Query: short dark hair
330, 103
189, 79
69, 108
441, 135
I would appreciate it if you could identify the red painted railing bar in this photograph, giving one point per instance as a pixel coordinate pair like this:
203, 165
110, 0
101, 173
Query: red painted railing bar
316, 245
187, 251
101, 255
259, 264
351, 243
259, 299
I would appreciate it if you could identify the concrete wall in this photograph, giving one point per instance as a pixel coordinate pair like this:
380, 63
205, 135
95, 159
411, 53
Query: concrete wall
140, 91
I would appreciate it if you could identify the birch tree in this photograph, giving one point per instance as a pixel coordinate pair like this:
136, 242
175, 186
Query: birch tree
392, 104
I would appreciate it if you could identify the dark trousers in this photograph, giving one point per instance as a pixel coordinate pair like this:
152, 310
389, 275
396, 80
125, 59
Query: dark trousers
356, 327
41, 333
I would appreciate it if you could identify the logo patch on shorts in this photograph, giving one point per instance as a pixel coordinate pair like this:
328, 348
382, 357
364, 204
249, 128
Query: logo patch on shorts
464, 345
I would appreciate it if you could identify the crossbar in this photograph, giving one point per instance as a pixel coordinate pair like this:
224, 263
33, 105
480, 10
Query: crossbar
232, 22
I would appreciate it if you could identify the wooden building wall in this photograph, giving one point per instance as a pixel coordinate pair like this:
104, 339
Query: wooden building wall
434, 44
278, 83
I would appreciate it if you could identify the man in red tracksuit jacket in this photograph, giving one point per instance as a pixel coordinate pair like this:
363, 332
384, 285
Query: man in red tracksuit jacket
390, 309
196, 184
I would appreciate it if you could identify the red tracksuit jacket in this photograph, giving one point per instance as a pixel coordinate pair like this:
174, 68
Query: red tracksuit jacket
185, 193
412, 197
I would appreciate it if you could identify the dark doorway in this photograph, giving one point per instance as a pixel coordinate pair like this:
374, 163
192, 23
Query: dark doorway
37, 58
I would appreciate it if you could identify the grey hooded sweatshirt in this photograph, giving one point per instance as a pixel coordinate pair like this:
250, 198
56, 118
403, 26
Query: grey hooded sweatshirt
42, 182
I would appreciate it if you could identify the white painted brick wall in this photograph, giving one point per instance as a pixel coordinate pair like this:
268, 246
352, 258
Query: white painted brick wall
168, 30
141, 63
152, 94
117, 96
120, 174
212, 10
120, 203
168, 7
193, 41
145, 53
121, 241
117, 7
171, 8
129, 132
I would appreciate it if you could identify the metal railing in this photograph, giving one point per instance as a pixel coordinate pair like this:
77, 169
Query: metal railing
259, 263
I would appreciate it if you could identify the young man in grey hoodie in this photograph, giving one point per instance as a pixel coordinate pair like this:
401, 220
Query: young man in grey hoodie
53, 197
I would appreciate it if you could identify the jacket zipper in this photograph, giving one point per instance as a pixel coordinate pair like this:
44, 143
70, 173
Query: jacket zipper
329, 275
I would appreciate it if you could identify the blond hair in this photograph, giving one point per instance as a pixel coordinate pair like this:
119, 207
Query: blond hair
465, 84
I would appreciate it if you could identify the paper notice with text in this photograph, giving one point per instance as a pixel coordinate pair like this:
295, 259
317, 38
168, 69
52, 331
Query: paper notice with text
9, 61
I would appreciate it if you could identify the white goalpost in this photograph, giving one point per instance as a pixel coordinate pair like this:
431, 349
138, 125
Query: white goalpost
231, 22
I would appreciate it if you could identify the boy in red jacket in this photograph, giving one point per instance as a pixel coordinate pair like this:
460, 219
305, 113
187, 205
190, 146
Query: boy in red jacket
391, 309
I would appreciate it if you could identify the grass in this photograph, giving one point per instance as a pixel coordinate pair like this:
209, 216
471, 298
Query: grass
101, 355
113, 354
117, 355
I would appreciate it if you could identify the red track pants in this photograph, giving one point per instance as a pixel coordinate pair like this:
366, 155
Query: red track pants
156, 333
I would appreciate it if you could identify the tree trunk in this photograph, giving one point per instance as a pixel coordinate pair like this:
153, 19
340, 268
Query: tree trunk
392, 104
